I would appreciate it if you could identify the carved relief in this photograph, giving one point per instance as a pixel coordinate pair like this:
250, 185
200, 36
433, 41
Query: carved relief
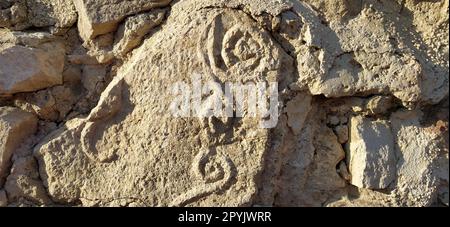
232, 46
215, 172
109, 105
130, 146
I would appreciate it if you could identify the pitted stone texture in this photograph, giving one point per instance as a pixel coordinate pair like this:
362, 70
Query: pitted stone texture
128, 36
373, 50
100, 17
29, 62
15, 126
132, 32
130, 149
423, 159
371, 153
301, 164
22, 14
353, 65
24, 183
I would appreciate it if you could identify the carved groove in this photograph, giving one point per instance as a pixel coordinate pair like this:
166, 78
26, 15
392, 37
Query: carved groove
109, 105
214, 171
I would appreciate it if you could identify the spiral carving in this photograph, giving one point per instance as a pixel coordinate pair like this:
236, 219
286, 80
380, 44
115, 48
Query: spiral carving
214, 171
231, 45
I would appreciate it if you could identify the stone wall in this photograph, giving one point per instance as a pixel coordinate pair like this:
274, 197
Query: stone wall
86, 92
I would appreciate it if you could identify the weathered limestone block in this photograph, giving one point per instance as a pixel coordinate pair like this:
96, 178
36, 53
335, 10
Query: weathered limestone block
367, 74
128, 36
322, 175
22, 14
52, 104
132, 149
35, 70
100, 17
304, 164
29, 62
373, 52
371, 153
132, 32
15, 126
297, 110
24, 183
42, 104
423, 159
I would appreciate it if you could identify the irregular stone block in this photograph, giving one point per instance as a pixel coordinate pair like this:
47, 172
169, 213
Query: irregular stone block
132, 32
297, 110
15, 126
423, 158
22, 14
132, 148
359, 56
128, 36
97, 17
25, 187
366, 58
371, 153
31, 66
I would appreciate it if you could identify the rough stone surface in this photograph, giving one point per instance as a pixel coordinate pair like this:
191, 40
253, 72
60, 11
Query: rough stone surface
101, 17
418, 155
378, 52
297, 111
29, 62
371, 153
98, 142
22, 14
15, 126
362, 113
131, 33
24, 184
128, 36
